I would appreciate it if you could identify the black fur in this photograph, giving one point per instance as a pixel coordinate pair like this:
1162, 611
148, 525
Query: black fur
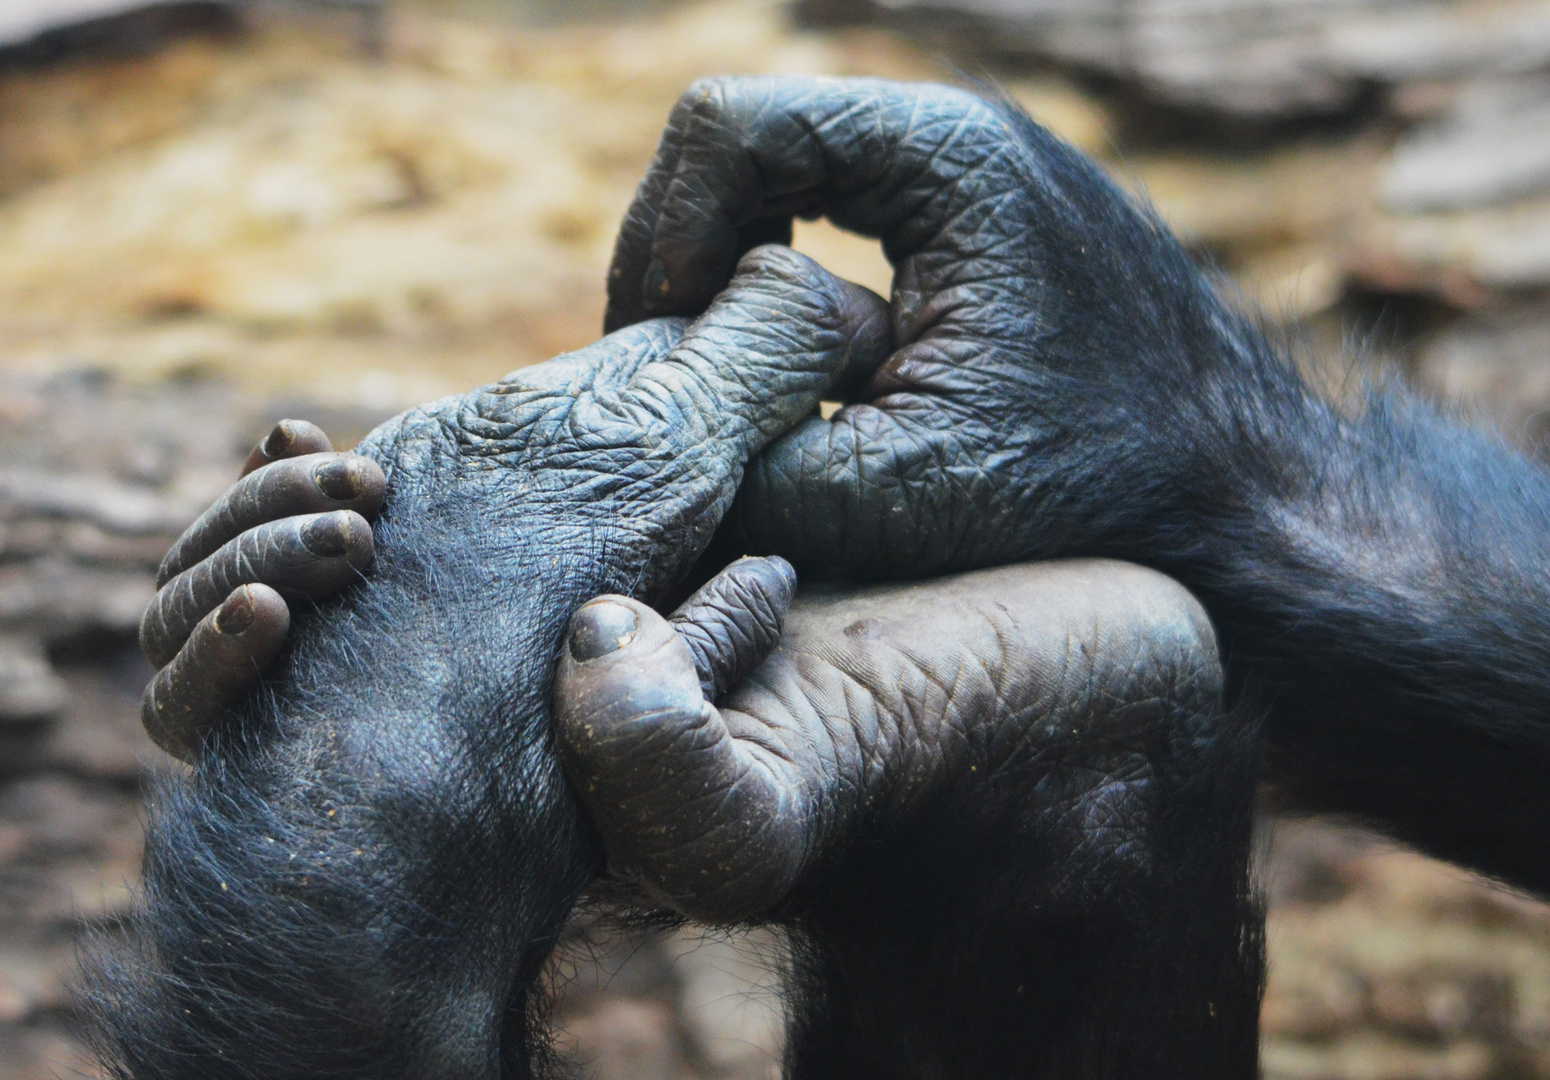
1076, 917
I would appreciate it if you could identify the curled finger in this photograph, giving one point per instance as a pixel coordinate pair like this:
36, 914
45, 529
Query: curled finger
309, 484
734, 620
222, 660
785, 334
312, 555
709, 824
897, 161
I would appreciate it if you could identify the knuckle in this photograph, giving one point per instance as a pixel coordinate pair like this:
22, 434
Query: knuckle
785, 291
1159, 644
706, 98
955, 100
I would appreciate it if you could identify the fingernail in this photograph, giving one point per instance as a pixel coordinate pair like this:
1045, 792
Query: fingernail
339, 479
655, 286
601, 628
278, 442
236, 614
326, 536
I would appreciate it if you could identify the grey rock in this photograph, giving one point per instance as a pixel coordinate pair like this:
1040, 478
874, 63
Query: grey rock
1493, 146
21, 20
29, 688
99, 500
1256, 58
56, 598
1495, 369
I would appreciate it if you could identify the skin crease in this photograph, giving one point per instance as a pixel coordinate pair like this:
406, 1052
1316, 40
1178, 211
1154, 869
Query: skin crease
1065, 383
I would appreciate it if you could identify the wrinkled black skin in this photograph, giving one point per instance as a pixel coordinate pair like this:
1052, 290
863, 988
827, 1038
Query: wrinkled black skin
1068, 382
368, 865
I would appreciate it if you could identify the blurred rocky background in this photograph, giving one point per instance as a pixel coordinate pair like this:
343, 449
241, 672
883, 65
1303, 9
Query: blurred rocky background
214, 213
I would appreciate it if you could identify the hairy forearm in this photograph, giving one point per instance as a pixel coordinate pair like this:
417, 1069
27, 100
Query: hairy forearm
1385, 585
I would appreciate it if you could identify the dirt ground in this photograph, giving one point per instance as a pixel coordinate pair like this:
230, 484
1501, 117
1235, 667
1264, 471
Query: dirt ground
200, 240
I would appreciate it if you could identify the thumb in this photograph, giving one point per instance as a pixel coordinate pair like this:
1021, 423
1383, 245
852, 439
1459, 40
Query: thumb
706, 823
734, 620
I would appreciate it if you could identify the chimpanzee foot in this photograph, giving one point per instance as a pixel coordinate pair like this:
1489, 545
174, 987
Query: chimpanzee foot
1003, 801
295, 526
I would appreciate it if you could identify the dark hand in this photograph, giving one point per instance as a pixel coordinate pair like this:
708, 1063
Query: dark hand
1002, 802
1067, 383
1021, 694
293, 528
1048, 332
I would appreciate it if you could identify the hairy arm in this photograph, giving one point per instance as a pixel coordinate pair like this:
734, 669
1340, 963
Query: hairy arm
369, 861
1386, 583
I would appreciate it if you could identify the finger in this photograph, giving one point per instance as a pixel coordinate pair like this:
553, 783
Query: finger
734, 621
783, 334
222, 660
713, 826
883, 159
309, 484
312, 555
288, 439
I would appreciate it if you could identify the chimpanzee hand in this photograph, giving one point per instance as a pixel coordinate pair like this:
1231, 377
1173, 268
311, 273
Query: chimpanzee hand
1001, 814
293, 527
876, 705
1048, 331
1068, 383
